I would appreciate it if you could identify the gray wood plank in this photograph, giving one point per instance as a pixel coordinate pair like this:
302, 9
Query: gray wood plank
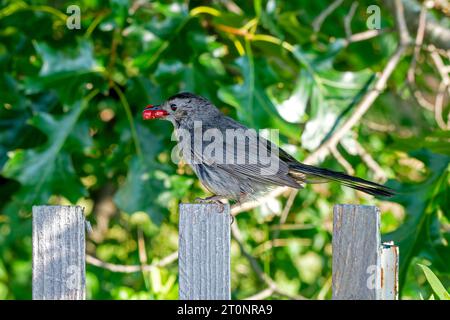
356, 248
204, 252
58, 253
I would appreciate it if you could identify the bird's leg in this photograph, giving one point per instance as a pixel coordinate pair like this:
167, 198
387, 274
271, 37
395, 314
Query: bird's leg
236, 204
212, 199
239, 201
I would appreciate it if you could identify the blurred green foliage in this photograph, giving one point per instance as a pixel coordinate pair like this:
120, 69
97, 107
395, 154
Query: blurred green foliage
71, 133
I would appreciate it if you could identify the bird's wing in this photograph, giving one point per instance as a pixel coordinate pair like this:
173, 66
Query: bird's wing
248, 156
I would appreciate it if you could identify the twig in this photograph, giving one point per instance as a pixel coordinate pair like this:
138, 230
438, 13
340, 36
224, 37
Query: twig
326, 287
365, 35
348, 19
440, 66
422, 101
401, 23
141, 248
232, 7
418, 44
275, 243
136, 6
381, 127
361, 36
444, 86
242, 32
256, 267
342, 161
285, 212
266, 293
380, 175
411, 75
436, 32
438, 106
432, 48
370, 97
318, 21
288, 206
367, 101
142, 256
132, 268
293, 226
362, 107
249, 205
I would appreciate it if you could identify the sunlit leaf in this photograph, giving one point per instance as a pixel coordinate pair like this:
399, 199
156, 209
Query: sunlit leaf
434, 282
252, 103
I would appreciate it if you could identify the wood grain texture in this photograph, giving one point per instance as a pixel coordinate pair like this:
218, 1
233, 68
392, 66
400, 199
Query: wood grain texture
58, 253
356, 247
204, 252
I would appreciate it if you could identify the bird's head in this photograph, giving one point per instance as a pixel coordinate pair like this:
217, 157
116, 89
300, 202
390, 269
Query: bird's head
183, 107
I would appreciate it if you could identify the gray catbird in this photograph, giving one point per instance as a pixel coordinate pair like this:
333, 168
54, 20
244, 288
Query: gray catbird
234, 170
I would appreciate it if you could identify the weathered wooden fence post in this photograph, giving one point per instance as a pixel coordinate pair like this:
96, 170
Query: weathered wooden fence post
58, 253
363, 268
204, 252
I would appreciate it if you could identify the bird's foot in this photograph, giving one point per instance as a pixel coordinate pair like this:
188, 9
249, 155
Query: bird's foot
239, 201
236, 205
212, 199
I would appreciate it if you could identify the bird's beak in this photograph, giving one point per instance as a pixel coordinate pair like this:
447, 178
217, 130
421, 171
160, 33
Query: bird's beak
153, 112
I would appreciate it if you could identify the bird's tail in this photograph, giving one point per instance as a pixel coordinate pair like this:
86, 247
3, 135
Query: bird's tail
310, 174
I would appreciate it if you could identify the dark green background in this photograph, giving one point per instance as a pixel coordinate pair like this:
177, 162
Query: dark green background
71, 133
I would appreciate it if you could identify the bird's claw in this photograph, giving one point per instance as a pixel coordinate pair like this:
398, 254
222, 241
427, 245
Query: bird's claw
212, 199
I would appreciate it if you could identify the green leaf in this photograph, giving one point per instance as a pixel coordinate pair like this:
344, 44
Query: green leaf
64, 70
141, 191
56, 60
436, 141
293, 108
333, 94
254, 107
435, 284
47, 169
418, 199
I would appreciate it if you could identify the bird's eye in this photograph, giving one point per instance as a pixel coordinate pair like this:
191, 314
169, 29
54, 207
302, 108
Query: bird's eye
173, 107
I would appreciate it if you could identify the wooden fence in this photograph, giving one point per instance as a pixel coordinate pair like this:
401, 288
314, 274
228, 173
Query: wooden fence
363, 267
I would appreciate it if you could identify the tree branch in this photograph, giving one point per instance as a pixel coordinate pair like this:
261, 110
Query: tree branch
271, 284
380, 175
435, 32
132, 268
342, 161
318, 21
362, 107
401, 23
348, 19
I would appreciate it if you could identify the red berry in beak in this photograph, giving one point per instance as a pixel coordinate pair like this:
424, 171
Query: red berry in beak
153, 112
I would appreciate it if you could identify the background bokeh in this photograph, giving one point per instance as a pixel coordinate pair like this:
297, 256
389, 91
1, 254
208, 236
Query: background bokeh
71, 133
